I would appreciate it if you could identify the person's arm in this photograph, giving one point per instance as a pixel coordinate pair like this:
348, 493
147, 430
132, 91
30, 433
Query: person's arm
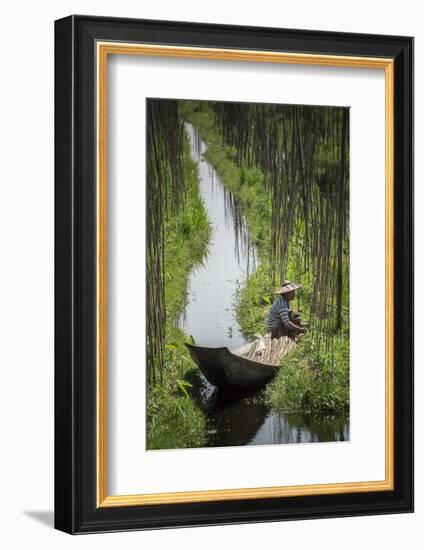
285, 319
285, 316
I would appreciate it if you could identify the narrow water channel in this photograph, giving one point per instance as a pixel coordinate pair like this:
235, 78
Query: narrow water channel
209, 317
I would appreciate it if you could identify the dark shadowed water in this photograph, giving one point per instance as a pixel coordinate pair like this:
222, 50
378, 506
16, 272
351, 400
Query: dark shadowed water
209, 317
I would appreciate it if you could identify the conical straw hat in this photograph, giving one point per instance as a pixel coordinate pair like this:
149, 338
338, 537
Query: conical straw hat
287, 287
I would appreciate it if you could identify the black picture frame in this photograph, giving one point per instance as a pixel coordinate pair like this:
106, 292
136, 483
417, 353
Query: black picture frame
76, 508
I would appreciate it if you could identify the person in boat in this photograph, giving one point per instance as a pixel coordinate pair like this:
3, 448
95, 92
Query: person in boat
282, 321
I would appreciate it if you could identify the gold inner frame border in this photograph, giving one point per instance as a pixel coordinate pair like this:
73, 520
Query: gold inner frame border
103, 50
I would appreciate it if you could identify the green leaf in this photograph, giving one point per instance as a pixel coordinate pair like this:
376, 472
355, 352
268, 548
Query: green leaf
266, 299
171, 346
183, 384
180, 409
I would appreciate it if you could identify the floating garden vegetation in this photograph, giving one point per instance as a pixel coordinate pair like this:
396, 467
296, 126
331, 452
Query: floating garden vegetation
177, 235
288, 168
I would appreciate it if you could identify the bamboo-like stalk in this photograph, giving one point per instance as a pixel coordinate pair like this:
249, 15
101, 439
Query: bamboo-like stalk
303, 152
165, 194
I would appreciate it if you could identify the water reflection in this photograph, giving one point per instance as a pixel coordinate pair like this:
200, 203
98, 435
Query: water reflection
235, 418
209, 315
244, 419
244, 251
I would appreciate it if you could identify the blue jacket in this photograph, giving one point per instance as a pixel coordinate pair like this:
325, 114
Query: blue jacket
279, 315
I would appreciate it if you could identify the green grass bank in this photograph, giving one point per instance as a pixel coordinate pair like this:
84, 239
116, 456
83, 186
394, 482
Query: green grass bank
174, 419
316, 377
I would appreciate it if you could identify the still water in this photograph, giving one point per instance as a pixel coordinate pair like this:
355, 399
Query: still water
209, 316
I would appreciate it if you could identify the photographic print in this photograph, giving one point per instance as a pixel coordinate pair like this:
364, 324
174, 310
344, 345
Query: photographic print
214, 263
247, 274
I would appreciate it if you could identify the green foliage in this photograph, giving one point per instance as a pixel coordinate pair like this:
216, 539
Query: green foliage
174, 420
315, 377
253, 301
247, 183
312, 382
166, 188
187, 233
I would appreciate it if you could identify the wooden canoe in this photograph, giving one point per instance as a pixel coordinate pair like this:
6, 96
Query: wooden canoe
225, 368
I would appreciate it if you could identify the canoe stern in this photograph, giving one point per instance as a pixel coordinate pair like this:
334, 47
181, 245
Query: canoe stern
223, 368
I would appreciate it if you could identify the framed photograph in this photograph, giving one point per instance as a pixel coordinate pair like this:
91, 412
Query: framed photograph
234, 274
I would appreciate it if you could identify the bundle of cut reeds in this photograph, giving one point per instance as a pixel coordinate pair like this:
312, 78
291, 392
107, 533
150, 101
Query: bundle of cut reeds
269, 350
